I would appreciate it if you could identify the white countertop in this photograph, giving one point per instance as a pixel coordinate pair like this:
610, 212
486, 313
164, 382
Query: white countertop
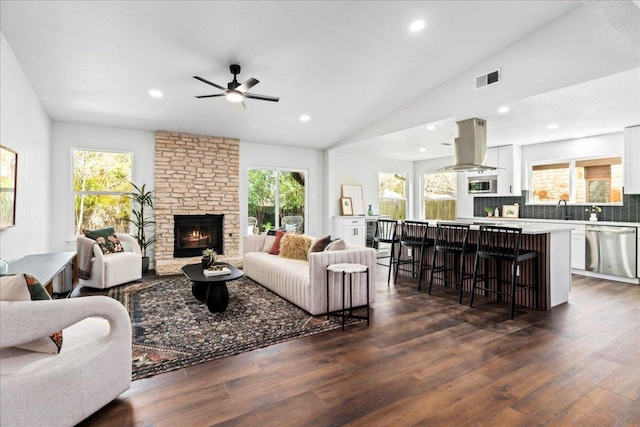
541, 228
548, 221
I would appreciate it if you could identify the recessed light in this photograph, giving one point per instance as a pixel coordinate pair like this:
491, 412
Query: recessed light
305, 118
431, 127
504, 109
422, 149
553, 126
416, 26
155, 93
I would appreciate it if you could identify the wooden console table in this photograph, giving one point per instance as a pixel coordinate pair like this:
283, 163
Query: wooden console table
46, 267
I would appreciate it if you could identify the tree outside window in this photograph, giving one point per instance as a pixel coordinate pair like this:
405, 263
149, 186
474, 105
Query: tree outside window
99, 181
440, 193
393, 195
274, 194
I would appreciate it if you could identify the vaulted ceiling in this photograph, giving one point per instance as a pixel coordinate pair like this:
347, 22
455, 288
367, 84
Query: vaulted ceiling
364, 79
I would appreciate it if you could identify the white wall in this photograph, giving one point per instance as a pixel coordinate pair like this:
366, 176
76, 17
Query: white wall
25, 128
64, 138
347, 168
261, 155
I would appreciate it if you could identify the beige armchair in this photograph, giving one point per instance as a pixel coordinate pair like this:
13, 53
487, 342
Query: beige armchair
114, 269
92, 368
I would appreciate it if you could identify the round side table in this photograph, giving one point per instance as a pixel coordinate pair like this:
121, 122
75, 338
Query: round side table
347, 269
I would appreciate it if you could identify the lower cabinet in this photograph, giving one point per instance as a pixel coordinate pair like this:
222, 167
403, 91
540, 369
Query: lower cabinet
355, 230
577, 248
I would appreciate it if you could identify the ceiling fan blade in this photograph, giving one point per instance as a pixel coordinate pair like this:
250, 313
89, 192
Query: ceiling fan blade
211, 96
261, 97
251, 82
209, 83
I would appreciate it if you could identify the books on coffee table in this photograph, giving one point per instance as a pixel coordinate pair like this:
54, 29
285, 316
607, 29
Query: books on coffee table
220, 272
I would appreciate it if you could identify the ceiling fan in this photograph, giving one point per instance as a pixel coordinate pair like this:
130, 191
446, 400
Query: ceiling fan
236, 92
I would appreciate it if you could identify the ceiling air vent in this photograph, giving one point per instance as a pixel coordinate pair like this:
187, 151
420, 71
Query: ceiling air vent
487, 79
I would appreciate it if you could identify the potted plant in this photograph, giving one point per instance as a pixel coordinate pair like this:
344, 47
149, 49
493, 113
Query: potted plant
489, 211
141, 198
208, 258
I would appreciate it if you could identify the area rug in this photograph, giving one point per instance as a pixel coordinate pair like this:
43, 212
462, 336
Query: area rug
172, 330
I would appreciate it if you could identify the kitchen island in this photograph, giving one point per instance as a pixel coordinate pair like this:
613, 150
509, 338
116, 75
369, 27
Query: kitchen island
553, 244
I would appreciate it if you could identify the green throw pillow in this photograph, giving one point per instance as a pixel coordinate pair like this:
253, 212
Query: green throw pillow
102, 232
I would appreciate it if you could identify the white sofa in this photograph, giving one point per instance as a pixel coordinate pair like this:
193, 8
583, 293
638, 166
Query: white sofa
92, 368
114, 269
304, 282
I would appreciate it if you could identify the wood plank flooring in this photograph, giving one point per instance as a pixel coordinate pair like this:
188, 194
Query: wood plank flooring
425, 360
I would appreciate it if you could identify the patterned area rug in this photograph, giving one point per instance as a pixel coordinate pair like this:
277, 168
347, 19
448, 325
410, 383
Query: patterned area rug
171, 329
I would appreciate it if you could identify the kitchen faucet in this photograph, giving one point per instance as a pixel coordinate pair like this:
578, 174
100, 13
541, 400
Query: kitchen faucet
562, 202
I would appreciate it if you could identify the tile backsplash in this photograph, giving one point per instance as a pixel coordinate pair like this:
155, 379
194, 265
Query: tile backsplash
628, 212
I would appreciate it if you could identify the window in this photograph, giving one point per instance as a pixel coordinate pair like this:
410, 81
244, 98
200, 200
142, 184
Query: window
99, 181
577, 181
393, 194
440, 192
274, 194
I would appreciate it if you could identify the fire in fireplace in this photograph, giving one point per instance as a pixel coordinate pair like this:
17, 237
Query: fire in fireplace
193, 233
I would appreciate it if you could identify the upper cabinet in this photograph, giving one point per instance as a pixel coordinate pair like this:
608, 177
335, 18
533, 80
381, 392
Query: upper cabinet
631, 160
508, 160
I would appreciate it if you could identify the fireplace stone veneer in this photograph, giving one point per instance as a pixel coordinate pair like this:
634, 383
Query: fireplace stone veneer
195, 175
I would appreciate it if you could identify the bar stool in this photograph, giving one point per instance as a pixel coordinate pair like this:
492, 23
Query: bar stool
502, 245
350, 269
386, 233
414, 239
451, 238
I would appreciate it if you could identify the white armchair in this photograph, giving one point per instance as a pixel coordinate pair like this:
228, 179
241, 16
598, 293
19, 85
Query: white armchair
114, 269
92, 368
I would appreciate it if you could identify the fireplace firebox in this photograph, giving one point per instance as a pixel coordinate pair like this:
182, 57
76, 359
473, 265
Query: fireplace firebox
193, 233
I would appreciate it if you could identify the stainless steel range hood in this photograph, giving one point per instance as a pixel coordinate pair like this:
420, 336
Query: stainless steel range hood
470, 147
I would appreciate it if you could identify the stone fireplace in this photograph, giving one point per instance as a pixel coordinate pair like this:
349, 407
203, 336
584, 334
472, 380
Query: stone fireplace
196, 175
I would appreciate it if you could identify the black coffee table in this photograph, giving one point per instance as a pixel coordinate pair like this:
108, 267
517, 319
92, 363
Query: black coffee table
212, 289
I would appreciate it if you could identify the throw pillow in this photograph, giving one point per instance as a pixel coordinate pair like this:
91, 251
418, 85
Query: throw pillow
31, 290
102, 232
320, 244
110, 244
337, 245
268, 242
275, 248
295, 246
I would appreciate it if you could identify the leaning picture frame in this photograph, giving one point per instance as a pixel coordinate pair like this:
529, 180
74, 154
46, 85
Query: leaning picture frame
8, 181
510, 211
346, 206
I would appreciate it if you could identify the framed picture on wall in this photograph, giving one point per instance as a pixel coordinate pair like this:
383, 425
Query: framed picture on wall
8, 180
346, 206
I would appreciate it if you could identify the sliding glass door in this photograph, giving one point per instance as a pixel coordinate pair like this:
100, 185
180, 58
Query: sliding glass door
274, 194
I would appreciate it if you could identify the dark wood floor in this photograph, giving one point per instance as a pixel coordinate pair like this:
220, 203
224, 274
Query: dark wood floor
425, 360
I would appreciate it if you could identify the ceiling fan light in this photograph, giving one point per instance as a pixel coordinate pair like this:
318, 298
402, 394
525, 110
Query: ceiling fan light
234, 96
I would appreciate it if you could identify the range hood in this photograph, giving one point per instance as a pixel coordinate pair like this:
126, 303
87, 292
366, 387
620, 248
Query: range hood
470, 147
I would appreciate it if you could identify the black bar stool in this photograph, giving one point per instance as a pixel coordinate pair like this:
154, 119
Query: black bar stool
413, 238
386, 234
451, 238
502, 245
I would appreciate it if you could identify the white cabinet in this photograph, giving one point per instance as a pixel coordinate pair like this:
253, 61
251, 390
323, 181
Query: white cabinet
510, 172
631, 160
508, 160
577, 247
353, 230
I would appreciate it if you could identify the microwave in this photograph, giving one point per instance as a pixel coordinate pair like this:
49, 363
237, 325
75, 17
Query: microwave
487, 184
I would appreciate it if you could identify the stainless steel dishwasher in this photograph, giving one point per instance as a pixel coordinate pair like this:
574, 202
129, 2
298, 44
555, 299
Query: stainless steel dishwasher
611, 250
